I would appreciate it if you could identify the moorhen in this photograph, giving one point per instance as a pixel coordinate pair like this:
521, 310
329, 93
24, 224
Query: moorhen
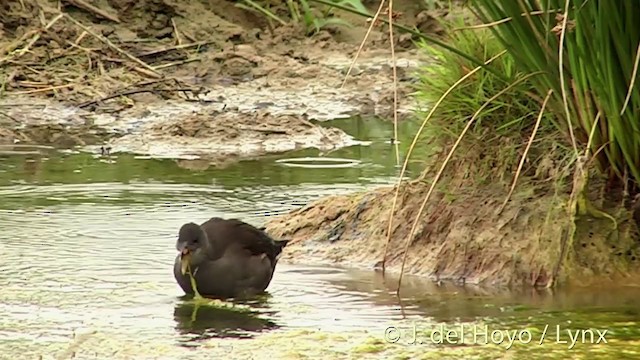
227, 258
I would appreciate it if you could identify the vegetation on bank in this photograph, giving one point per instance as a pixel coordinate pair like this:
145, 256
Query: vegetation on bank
592, 107
558, 91
313, 18
591, 110
542, 90
542, 93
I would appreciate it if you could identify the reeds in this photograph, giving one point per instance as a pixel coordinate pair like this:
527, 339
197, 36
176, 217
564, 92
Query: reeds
588, 53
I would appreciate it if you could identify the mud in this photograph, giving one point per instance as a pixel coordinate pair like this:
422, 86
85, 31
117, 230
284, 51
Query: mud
42, 125
142, 67
225, 136
461, 237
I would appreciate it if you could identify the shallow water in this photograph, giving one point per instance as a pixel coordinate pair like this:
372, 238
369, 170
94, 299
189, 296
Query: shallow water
87, 247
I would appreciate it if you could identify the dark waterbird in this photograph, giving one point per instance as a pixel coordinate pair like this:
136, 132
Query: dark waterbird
228, 258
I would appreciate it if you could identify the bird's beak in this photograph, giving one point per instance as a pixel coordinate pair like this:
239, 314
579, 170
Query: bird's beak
185, 257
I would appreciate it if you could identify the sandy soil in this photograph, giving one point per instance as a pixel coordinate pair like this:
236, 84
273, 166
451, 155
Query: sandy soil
142, 68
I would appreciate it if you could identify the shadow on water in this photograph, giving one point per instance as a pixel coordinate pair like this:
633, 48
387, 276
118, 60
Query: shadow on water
88, 242
204, 322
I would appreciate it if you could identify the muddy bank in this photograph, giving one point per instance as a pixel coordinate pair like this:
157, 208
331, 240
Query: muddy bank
219, 137
136, 69
56, 134
461, 238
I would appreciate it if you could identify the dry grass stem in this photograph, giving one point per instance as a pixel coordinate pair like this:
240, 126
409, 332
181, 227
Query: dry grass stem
364, 41
395, 83
562, 80
176, 63
413, 144
176, 33
175, 47
634, 74
50, 88
502, 21
113, 46
95, 10
526, 151
446, 162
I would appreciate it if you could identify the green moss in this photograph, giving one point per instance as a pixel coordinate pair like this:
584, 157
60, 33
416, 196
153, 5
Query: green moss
370, 345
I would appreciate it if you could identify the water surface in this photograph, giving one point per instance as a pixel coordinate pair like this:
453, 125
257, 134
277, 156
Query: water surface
87, 247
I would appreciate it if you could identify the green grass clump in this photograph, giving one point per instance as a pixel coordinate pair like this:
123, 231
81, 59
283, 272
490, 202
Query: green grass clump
504, 113
587, 51
312, 18
506, 122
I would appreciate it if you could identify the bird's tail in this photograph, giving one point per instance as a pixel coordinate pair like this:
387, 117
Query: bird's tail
280, 244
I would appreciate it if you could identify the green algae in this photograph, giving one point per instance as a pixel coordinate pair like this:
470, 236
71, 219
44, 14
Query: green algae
361, 344
370, 345
199, 300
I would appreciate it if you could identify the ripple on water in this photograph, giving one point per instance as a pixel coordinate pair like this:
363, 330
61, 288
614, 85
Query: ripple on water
82, 261
99, 257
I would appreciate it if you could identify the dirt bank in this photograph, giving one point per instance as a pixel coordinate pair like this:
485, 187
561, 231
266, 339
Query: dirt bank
212, 60
243, 136
461, 238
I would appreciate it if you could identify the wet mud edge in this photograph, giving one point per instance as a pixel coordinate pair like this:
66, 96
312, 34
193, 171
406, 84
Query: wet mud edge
249, 91
463, 240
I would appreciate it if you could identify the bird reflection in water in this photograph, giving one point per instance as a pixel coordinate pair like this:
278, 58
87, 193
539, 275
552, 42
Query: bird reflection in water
198, 321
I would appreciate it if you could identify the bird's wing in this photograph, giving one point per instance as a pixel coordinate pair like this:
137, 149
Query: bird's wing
233, 232
252, 238
217, 236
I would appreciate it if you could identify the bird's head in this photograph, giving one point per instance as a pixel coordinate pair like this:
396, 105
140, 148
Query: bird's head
192, 242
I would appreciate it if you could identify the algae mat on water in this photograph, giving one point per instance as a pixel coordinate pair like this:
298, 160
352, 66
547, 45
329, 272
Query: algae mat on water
551, 335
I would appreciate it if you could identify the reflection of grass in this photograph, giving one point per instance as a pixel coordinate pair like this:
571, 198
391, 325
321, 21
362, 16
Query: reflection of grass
59, 170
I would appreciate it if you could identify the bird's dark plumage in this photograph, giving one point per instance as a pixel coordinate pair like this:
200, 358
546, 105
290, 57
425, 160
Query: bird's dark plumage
228, 257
